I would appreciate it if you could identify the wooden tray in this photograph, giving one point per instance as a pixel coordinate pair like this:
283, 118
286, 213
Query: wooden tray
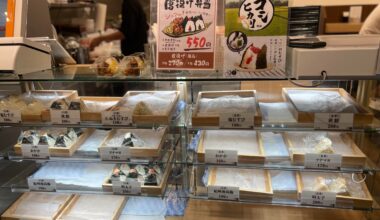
357, 160
45, 114
141, 151
61, 151
246, 193
213, 120
364, 203
363, 117
11, 215
95, 116
114, 215
153, 119
284, 193
260, 158
148, 190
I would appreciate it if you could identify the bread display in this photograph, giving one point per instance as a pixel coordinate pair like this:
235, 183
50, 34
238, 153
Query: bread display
337, 185
349, 191
301, 143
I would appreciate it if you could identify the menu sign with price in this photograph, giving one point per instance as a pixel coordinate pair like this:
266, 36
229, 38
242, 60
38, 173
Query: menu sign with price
236, 120
323, 161
10, 116
186, 34
223, 192
116, 118
221, 156
65, 116
315, 198
334, 121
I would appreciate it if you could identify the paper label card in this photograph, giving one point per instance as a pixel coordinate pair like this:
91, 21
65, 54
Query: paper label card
44, 185
223, 193
236, 120
334, 121
315, 198
114, 153
10, 116
65, 116
221, 156
323, 161
130, 186
116, 118
37, 152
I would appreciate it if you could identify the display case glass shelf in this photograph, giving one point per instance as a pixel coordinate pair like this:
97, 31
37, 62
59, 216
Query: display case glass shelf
89, 74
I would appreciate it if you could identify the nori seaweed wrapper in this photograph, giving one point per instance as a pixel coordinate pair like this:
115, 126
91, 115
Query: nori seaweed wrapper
261, 62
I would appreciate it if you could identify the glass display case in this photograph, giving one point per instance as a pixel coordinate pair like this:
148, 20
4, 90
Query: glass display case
140, 141
180, 139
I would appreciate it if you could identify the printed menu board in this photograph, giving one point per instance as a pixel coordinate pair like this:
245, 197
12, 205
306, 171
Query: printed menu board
255, 36
186, 34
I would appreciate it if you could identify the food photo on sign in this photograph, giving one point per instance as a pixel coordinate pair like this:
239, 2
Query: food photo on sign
255, 36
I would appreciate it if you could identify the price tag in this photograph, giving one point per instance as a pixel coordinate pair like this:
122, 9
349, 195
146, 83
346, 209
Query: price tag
45, 185
38, 152
116, 118
236, 120
323, 161
130, 186
223, 192
139, 161
65, 116
318, 198
221, 156
10, 116
332, 121
114, 153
